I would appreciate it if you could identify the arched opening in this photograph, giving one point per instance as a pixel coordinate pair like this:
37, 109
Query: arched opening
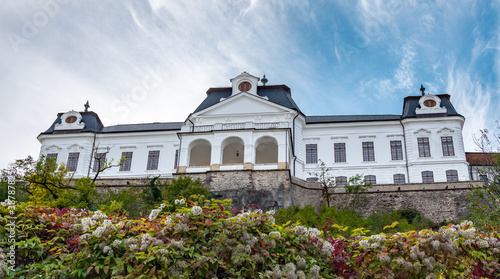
266, 151
200, 152
233, 151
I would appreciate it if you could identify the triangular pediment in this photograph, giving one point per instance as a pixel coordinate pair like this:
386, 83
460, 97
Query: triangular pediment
243, 103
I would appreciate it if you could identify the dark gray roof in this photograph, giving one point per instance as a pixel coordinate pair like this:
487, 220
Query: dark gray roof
411, 104
145, 127
278, 94
91, 120
94, 124
350, 118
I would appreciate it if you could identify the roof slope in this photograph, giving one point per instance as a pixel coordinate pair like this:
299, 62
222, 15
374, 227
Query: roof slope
145, 127
350, 118
411, 104
278, 94
94, 124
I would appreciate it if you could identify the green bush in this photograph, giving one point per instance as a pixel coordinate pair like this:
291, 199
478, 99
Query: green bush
408, 219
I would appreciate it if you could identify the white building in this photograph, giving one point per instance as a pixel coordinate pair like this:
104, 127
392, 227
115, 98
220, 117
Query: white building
251, 126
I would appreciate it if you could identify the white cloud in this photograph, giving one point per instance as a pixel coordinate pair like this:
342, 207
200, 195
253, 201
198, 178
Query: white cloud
401, 81
474, 101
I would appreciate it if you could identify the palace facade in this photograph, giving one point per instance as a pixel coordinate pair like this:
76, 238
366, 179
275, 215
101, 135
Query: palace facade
260, 127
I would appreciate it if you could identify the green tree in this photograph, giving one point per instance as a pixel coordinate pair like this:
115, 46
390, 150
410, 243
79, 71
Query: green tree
187, 188
327, 181
485, 200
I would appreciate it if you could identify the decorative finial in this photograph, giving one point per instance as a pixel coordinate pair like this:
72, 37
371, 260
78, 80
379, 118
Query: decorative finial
87, 106
264, 80
422, 89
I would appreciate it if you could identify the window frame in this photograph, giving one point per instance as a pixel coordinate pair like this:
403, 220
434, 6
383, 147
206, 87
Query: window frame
341, 181
427, 177
371, 179
126, 165
72, 163
176, 158
452, 176
447, 146
424, 148
397, 178
339, 152
396, 150
312, 179
368, 151
153, 160
51, 156
99, 159
312, 153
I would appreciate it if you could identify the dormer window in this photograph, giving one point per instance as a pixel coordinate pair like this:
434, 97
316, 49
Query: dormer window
71, 119
244, 82
245, 86
429, 103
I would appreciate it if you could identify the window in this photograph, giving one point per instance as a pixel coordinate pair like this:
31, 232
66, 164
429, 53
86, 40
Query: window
368, 151
99, 160
451, 175
423, 147
483, 177
52, 156
371, 179
341, 180
176, 158
396, 150
311, 153
153, 158
127, 161
447, 143
312, 179
339, 152
73, 161
399, 178
427, 176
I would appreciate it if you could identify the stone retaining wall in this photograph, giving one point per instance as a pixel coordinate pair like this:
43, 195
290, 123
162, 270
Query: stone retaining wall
277, 188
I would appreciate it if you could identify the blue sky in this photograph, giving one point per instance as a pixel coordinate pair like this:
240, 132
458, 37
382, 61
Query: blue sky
338, 57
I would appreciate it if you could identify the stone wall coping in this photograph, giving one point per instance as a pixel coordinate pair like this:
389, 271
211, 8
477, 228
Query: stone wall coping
411, 187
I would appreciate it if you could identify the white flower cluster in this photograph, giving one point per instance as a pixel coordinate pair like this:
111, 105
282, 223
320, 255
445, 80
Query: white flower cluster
327, 248
313, 232
180, 202
415, 253
132, 243
84, 236
301, 262
314, 271
364, 243
271, 212
275, 234
468, 233
108, 250
483, 244
87, 222
377, 238
154, 213
117, 242
196, 210
181, 227
384, 259
99, 215
99, 232
177, 244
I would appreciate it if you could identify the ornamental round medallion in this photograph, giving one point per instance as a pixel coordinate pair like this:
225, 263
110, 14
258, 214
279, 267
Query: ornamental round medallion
429, 103
71, 119
245, 86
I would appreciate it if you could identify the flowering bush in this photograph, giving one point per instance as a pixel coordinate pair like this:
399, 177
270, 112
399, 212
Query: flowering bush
208, 241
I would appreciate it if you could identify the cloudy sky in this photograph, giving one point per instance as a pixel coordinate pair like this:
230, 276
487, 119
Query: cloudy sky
338, 57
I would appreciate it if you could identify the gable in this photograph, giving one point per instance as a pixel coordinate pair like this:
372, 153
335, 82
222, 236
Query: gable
243, 103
